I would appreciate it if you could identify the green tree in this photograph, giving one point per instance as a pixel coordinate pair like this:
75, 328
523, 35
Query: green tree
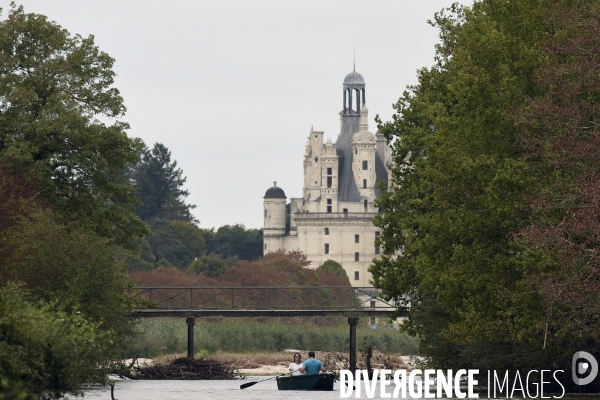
57, 261
178, 242
160, 187
45, 352
235, 240
55, 89
211, 266
460, 188
334, 268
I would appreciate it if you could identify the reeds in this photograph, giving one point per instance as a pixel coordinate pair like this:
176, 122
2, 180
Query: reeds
167, 336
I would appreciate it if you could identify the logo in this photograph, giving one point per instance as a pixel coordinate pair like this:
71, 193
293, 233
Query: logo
584, 363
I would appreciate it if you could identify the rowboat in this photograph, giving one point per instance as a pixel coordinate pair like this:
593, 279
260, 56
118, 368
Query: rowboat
306, 382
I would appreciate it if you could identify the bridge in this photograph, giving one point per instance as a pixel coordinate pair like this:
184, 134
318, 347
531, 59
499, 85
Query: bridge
268, 301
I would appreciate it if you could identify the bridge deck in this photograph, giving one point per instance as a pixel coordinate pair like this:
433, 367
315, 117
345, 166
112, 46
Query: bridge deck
267, 301
156, 313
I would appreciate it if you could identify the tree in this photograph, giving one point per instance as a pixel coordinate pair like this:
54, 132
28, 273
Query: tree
45, 352
235, 240
561, 130
211, 266
55, 89
178, 242
57, 260
334, 268
463, 181
159, 186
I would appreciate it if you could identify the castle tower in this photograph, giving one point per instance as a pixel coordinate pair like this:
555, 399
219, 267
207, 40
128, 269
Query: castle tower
363, 166
333, 219
274, 212
354, 100
354, 93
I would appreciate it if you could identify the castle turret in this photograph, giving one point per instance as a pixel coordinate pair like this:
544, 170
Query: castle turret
274, 218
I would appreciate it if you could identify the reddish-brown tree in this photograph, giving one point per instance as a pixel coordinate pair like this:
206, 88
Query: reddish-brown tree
562, 128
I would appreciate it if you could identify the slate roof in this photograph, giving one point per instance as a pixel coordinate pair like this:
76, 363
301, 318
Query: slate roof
354, 78
275, 193
347, 190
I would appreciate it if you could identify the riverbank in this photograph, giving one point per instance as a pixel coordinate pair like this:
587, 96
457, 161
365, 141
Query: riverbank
275, 363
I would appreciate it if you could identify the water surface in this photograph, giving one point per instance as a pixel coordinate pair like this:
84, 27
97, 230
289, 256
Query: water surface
228, 389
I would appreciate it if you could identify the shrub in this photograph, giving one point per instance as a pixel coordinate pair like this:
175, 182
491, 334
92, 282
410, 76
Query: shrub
45, 351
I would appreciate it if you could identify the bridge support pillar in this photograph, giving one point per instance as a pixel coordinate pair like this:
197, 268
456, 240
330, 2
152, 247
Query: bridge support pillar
190, 321
353, 321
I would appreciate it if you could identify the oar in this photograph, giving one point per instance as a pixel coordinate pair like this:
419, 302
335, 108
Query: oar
337, 378
247, 385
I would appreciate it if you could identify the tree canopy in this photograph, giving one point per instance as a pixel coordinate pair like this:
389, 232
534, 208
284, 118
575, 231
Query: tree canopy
159, 186
486, 175
67, 210
235, 241
55, 91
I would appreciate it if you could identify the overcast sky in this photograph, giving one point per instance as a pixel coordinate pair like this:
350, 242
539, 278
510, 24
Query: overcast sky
232, 88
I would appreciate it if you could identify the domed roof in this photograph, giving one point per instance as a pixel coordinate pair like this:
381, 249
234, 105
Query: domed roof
275, 192
354, 78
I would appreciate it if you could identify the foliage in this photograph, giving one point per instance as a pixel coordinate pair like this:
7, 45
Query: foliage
275, 269
61, 262
178, 242
481, 181
333, 267
211, 266
45, 351
55, 89
168, 336
235, 241
159, 186
560, 129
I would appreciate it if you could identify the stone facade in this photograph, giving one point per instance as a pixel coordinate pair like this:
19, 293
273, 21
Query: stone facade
334, 217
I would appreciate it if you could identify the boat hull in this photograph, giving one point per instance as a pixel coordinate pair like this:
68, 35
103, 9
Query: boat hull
306, 382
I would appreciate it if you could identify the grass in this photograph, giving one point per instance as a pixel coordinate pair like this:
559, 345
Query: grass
158, 337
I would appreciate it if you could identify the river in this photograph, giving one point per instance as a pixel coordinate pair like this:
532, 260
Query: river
196, 390
226, 389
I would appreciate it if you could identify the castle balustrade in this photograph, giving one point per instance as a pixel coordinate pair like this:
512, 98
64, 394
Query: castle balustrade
299, 216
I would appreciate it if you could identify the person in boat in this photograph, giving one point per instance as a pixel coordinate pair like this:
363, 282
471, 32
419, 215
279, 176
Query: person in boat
312, 365
297, 367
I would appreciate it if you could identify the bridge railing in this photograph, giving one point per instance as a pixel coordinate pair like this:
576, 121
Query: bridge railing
263, 298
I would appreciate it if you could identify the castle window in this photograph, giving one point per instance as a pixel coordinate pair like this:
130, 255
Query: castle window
377, 247
364, 183
326, 248
265, 246
356, 238
329, 171
365, 165
345, 212
356, 275
357, 256
265, 213
327, 231
366, 205
329, 181
329, 205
